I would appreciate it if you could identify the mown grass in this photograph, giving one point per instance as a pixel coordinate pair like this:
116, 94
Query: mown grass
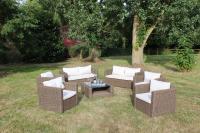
19, 111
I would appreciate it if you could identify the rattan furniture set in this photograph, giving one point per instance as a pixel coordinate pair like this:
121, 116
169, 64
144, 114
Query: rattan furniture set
151, 93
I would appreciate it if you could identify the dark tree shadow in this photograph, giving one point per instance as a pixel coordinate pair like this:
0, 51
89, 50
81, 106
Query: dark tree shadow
6, 70
127, 58
162, 60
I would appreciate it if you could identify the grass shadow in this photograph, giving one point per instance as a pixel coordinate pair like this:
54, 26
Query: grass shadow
6, 70
165, 61
117, 58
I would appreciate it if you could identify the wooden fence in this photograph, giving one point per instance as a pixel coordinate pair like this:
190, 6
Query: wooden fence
158, 51
147, 51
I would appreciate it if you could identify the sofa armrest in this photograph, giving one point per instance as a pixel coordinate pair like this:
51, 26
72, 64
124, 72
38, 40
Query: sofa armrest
71, 86
162, 78
143, 88
108, 72
139, 77
65, 75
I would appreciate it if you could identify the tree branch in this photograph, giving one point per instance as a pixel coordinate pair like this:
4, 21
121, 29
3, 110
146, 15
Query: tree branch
150, 30
134, 31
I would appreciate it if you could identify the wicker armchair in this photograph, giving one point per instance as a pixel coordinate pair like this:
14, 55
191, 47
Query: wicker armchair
51, 98
79, 81
161, 101
120, 82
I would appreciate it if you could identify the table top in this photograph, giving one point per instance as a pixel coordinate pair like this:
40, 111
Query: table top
96, 85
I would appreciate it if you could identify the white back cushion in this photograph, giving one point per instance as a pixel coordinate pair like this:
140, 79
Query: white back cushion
117, 70
71, 71
131, 71
85, 70
57, 82
156, 85
48, 74
151, 75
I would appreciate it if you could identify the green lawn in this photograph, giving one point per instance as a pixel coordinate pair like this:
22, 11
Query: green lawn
19, 111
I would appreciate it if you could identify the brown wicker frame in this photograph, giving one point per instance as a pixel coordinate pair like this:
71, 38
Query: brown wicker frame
79, 81
162, 101
51, 98
89, 92
119, 82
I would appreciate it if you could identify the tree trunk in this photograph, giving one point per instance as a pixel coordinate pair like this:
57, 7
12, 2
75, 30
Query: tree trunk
124, 42
135, 51
138, 47
81, 55
137, 56
93, 57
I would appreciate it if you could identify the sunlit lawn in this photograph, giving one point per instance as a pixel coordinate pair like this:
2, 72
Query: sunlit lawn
19, 111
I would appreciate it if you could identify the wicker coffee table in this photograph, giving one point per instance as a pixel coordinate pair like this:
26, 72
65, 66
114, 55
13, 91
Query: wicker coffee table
91, 90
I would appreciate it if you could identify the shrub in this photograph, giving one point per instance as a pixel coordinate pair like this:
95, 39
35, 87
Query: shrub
185, 59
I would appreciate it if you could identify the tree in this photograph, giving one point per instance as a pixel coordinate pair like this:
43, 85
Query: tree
182, 27
182, 21
35, 34
8, 8
146, 14
100, 27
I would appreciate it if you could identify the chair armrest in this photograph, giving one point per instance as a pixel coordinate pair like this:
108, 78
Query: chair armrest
51, 92
71, 86
139, 77
65, 75
108, 72
164, 97
143, 88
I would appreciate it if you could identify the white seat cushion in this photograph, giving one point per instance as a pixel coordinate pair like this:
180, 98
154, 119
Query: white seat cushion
68, 94
76, 77
57, 82
122, 77
72, 71
151, 75
156, 85
141, 83
117, 70
146, 97
131, 71
48, 74
85, 70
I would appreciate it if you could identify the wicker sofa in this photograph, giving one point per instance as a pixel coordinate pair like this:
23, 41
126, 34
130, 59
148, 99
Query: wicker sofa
155, 98
79, 74
55, 98
121, 79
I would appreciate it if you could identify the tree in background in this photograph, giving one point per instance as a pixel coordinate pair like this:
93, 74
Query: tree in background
8, 9
35, 34
146, 15
96, 24
181, 26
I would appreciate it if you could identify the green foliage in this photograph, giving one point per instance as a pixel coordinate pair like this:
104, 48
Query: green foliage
182, 19
185, 59
35, 34
100, 28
